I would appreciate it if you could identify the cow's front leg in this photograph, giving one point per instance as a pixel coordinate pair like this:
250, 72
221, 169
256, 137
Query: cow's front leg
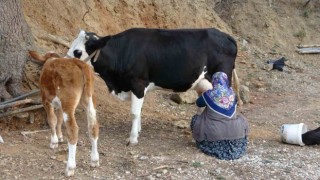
136, 106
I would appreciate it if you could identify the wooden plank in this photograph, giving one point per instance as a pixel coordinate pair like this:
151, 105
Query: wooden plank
307, 46
311, 50
20, 110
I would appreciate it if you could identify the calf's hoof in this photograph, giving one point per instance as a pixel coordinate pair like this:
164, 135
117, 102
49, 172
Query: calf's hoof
69, 172
53, 145
60, 139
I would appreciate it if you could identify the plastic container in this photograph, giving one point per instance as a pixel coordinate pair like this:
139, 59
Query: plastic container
291, 133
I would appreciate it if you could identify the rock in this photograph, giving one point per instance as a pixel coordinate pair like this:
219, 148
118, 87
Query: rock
188, 97
244, 94
244, 43
182, 124
143, 158
258, 84
1, 140
176, 98
53, 157
164, 171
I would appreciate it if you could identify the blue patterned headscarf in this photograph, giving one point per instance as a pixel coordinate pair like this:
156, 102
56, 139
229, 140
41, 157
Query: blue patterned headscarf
221, 98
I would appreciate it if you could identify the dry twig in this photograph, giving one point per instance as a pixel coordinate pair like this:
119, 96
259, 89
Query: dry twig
307, 46
21, 110
161, 167
20, 97
309, 50
24, 133
15, 103
55, 39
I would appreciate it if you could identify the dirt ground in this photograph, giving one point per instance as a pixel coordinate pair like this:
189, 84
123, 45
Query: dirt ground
264, 30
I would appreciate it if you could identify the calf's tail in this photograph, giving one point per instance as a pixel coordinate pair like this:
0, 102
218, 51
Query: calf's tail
42, 59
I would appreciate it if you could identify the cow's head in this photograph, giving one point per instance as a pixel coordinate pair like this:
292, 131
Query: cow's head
79, 47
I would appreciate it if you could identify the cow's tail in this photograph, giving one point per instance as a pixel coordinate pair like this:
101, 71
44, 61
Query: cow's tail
42, 59
236, 86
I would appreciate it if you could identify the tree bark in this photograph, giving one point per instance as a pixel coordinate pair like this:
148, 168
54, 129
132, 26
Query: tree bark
15, 40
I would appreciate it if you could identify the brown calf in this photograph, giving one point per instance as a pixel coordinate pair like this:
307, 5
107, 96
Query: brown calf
64, 83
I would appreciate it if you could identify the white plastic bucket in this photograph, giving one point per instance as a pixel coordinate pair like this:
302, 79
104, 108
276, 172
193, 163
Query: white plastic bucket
292, 133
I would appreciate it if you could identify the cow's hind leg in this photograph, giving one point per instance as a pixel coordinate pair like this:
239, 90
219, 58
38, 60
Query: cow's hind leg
52, 121
93, 128
136, 106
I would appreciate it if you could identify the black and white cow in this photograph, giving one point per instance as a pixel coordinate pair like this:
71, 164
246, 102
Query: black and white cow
138, 60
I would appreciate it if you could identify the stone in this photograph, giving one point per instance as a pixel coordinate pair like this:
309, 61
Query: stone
244, 94
182, 124
188, 97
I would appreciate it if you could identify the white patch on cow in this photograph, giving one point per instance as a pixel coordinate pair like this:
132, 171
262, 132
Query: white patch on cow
202, 86
123, 96
91, 112
65, 117
136, 106
71, 164
79, 44
56, 102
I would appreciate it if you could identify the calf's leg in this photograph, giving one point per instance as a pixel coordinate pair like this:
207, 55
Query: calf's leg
52, 121
72, 132
60, 121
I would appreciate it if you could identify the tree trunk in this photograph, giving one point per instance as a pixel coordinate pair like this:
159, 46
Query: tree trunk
15, 39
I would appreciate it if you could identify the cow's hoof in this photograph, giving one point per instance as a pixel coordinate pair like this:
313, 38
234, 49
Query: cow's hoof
69, 172
95, 164
53, 145
132, 142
